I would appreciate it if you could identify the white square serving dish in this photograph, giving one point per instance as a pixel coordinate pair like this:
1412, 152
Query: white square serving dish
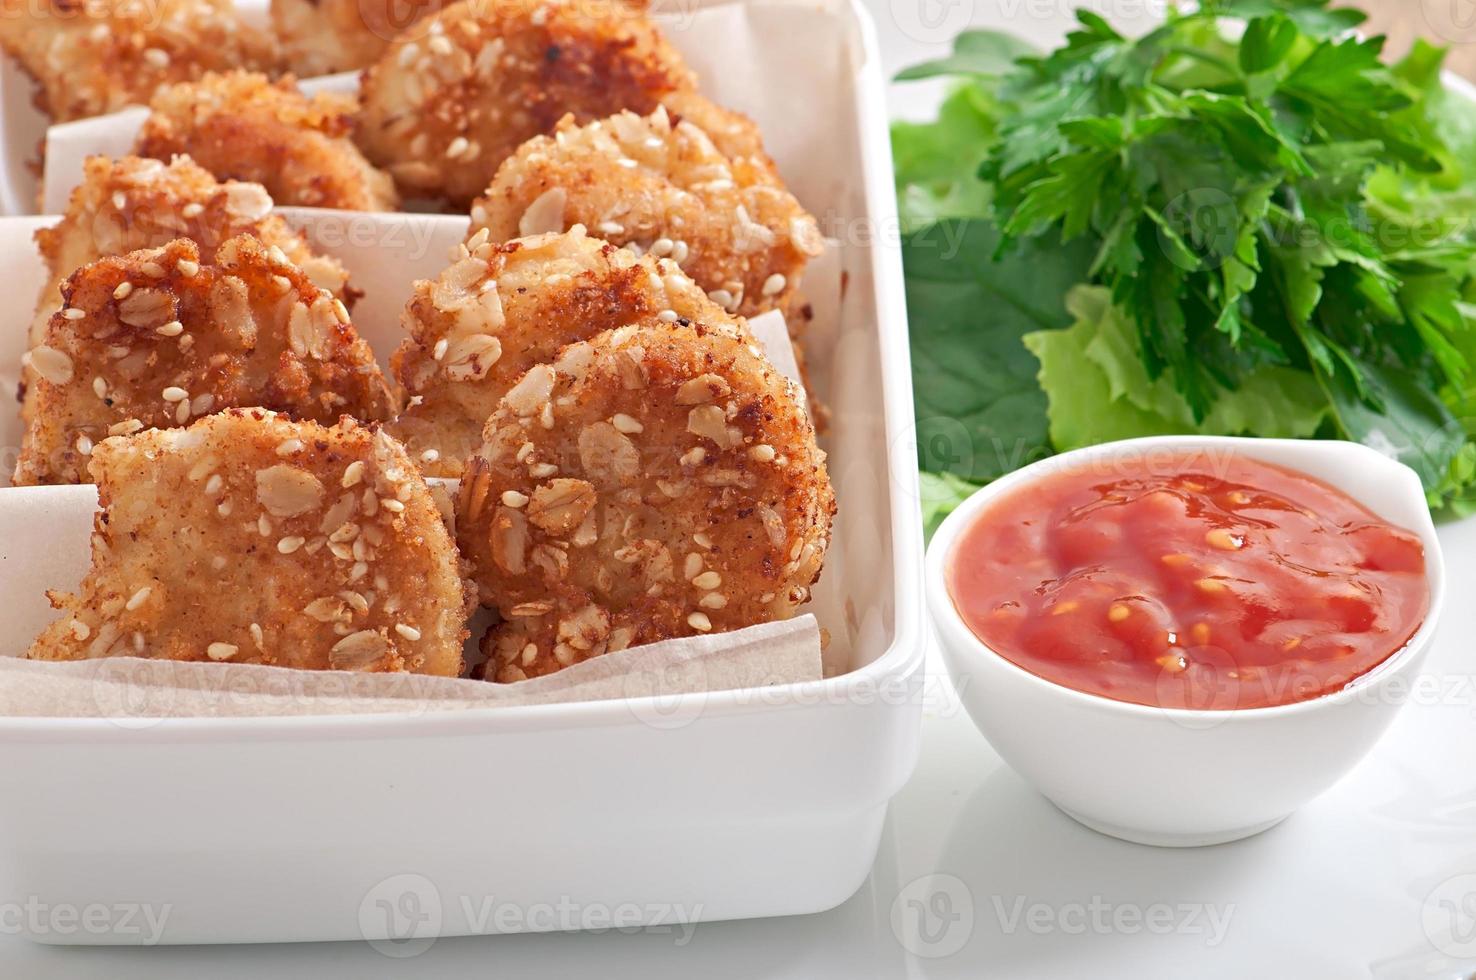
397, 828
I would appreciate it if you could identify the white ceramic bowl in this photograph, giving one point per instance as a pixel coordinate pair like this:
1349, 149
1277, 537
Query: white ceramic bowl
1180, 777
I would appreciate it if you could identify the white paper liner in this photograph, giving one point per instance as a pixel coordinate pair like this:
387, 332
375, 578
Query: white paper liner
129, 690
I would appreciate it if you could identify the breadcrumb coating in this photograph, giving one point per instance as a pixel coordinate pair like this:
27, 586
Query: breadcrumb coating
156, 337
319, 37
449, 101
244, 126
500, 309
91, 57
250, 538
660, 185
660, 480
130, 203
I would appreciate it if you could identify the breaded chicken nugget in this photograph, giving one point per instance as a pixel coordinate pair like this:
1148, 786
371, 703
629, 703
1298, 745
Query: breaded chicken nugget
130, 203
660, 184
657, 481
242, 125
502, 309
97, 56
153, 338
320, 37
447, 104
250, 538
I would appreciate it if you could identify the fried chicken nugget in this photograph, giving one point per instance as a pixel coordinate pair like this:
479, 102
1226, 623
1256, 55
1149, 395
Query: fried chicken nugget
96, 56
657, 481
153, 338
500, 310
446, 105
242, 125
319, 37
130, 203
660, 184
250, 538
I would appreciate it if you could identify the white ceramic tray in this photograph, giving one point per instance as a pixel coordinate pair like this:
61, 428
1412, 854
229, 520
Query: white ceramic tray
718, 806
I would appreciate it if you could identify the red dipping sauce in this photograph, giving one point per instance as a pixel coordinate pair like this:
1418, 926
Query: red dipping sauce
1189, 581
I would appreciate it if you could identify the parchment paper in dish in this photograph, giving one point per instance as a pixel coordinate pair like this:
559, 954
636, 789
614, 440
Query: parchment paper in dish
130, 690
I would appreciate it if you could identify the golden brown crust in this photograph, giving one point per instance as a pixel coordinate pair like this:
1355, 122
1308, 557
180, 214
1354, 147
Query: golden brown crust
96, 56
242, 125
130, 203
449, 101
320, 37
657, 481
252, 539
660, 184
156, 337
499, 310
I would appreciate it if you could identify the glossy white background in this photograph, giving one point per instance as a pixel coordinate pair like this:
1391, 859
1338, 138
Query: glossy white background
980, 877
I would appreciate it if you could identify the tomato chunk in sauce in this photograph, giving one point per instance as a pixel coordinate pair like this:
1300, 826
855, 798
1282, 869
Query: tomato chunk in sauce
1189, 581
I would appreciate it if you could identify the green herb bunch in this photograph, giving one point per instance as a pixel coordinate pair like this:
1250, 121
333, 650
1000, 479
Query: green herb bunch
1243, 222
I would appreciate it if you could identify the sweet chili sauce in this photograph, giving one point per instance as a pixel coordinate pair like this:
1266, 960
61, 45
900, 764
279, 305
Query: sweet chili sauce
1189, 581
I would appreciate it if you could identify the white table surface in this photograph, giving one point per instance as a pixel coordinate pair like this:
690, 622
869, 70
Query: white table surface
980, 877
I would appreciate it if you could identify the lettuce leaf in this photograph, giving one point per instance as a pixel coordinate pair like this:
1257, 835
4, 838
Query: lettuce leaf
1097, 388
977, 52
937, 163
